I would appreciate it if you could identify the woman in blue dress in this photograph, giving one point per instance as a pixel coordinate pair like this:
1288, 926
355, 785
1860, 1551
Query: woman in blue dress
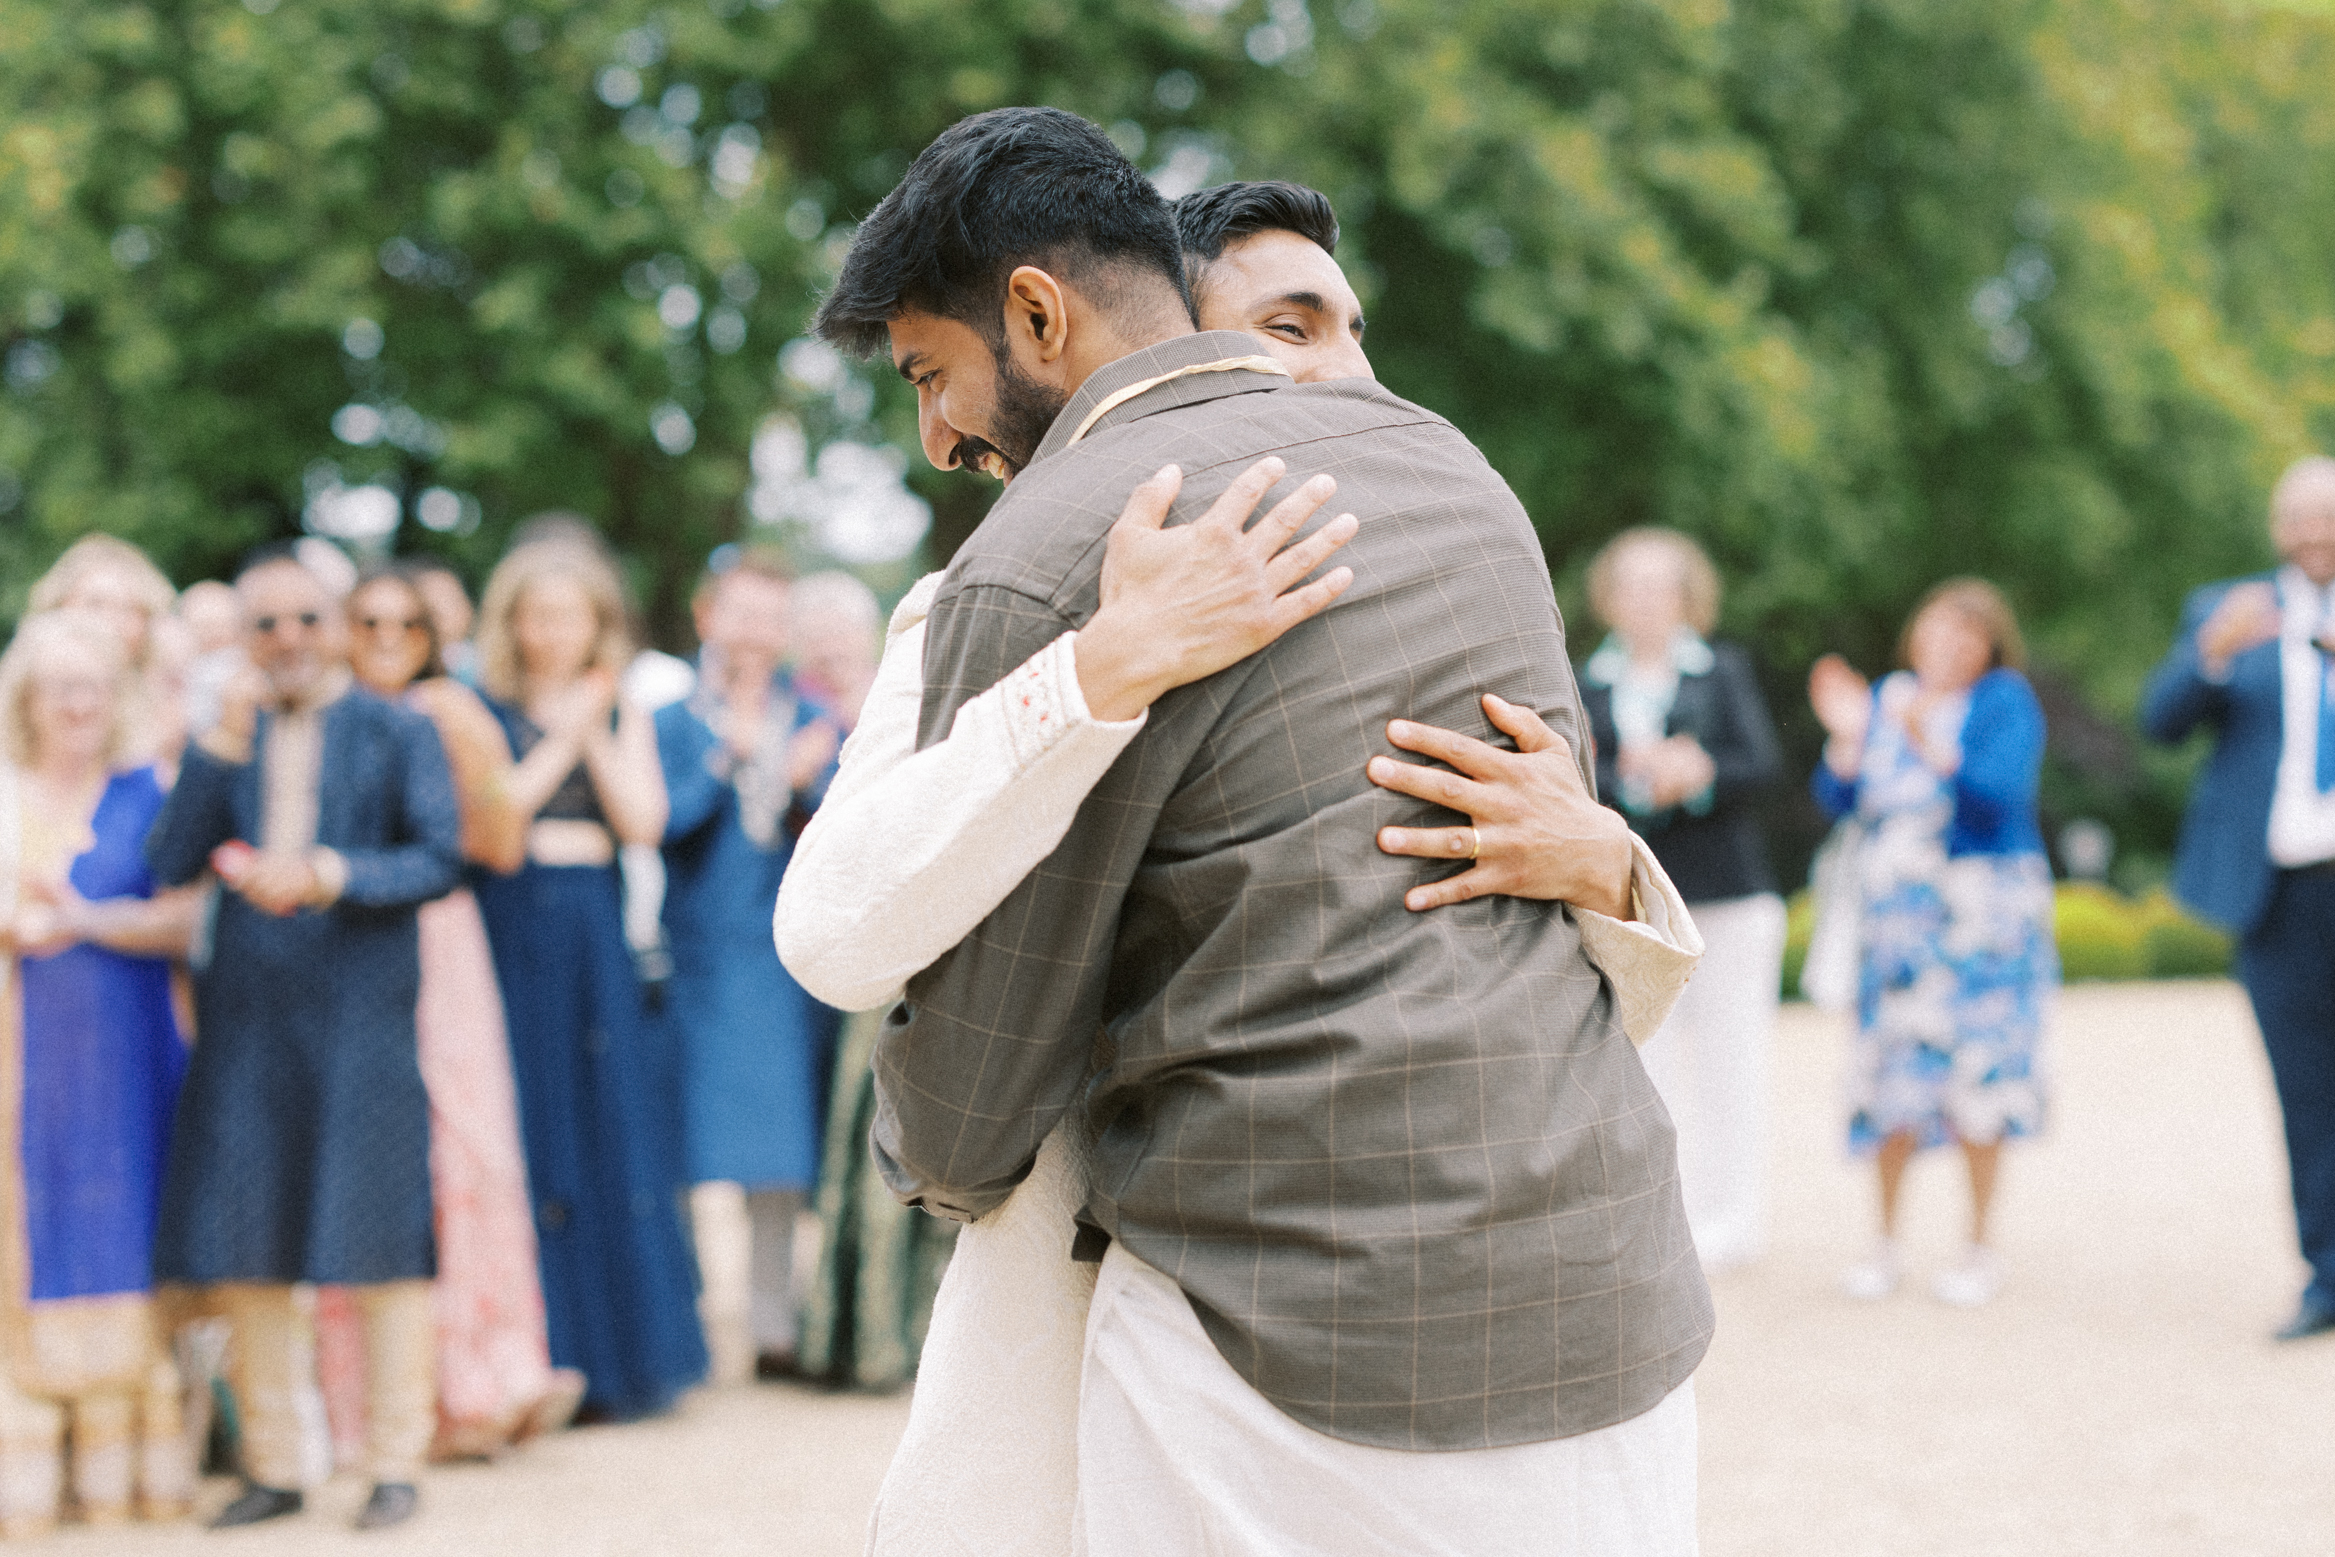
92, 1056
597, 1105
1940, 764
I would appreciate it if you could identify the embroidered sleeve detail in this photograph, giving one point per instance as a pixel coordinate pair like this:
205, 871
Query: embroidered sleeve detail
1043, 705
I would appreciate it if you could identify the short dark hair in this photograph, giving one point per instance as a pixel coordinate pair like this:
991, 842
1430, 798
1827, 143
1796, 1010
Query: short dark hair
1014, 186
1207, 220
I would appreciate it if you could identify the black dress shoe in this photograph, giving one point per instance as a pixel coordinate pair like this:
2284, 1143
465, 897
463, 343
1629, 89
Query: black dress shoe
257, 1503
392, 1503
2316, 1316
771, 1366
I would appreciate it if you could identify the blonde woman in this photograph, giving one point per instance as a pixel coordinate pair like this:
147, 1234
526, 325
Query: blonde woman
116, 586
1684, 748
90, 1065
595, 1102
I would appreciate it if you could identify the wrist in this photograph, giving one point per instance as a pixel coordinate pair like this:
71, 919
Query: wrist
1607, 889
1114, 674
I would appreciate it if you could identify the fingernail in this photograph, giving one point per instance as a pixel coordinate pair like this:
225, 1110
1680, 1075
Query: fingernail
1400, 729
1166, 471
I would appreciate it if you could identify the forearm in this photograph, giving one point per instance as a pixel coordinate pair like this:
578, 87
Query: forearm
899, 866
160, 926
539, 774
494, 830
196, 819
631, 786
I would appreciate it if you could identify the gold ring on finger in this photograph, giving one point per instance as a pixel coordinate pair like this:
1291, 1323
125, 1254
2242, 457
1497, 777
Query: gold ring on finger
1475, 843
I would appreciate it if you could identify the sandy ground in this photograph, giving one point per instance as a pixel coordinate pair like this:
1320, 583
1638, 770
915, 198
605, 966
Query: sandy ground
2119, 1397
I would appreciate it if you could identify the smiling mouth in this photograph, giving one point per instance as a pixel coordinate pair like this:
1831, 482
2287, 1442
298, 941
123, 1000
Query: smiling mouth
982, 455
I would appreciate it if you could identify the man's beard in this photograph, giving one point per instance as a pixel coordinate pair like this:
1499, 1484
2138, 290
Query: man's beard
1025, 410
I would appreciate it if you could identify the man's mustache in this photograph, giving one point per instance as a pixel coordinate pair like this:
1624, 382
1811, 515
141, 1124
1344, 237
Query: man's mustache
978, 453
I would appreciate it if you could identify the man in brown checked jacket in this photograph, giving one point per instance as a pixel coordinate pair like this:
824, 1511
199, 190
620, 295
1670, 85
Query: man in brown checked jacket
1375, 1183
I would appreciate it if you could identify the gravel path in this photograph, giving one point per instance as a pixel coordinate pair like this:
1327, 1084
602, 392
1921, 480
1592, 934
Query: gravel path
2119, 1397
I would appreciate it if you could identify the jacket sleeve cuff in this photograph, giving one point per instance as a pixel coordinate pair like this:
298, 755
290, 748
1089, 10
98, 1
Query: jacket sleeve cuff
1647, 961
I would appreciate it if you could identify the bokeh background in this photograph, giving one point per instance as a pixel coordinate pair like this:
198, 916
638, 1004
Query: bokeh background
1862, 293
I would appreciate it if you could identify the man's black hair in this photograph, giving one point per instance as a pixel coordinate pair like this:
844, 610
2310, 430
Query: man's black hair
1209, 220
1014, 186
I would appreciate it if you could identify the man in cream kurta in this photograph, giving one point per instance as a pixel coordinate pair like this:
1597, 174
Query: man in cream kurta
1412, 1188
909, 853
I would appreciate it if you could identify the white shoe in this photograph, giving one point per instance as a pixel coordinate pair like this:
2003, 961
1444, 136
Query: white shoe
1971, 1284
1875, 1278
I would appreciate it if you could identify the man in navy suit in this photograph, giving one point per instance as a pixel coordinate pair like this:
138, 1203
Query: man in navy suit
2255, 660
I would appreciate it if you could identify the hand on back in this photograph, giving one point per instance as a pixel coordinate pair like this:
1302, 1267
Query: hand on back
1535, 830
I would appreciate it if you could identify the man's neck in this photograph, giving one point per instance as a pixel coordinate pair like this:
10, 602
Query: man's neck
1108, 345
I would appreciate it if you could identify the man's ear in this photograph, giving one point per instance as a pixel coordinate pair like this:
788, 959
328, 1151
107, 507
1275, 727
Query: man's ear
1037, 314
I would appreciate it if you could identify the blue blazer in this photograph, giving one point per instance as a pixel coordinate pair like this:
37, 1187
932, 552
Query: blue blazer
1995, 789
2222, 872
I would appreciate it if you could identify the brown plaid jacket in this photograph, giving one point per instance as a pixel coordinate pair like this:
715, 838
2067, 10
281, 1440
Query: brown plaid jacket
1406, 1166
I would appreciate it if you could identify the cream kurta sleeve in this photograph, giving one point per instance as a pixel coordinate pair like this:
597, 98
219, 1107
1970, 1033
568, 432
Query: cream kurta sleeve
912, 849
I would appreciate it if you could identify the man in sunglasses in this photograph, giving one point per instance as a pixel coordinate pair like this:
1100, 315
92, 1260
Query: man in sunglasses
301, 1152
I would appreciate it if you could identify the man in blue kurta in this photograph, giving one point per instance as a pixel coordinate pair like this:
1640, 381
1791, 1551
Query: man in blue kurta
745, 758
301, 1149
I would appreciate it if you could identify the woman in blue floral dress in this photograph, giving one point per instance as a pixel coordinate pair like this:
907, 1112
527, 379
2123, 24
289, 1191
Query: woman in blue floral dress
1940, 764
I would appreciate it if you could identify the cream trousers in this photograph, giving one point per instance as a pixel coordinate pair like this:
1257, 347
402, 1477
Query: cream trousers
274, 1356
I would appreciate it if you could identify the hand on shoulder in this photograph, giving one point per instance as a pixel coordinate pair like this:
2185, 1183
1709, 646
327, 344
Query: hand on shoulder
1181, 604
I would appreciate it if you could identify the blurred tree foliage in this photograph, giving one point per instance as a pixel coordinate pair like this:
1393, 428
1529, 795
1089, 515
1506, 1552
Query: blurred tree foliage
1863, 293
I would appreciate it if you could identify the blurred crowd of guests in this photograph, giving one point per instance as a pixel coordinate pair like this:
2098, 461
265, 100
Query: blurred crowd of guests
393, 1026
393, 1023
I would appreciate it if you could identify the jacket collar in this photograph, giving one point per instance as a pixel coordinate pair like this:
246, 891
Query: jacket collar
1176, 354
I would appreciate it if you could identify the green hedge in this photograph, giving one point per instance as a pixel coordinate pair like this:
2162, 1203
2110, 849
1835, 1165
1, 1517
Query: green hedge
2102, 934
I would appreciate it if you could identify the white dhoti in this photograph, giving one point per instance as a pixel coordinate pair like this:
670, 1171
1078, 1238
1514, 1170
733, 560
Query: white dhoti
1179, 1456
989, 1464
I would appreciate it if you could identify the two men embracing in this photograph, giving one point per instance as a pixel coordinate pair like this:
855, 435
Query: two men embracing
1392, 1254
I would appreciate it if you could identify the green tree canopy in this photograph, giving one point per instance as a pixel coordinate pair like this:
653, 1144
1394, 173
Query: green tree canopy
1863, 293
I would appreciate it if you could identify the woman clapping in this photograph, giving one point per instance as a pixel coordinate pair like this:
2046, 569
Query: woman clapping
596, 1095
1940, 763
